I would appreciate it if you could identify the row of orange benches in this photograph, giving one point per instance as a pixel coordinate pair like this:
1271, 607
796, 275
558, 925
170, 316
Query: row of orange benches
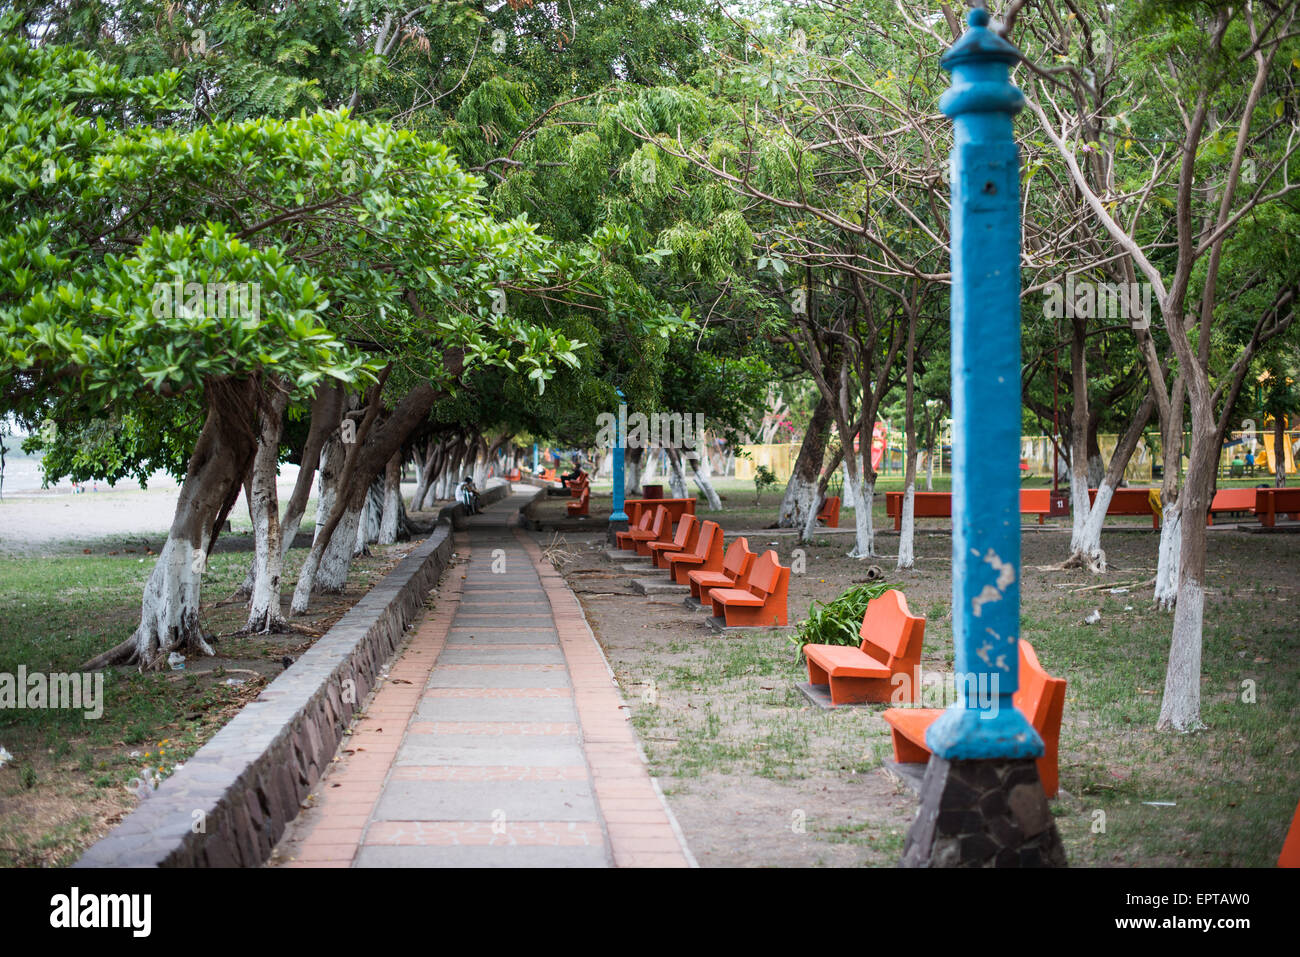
743, 589
1266, 503
891, 647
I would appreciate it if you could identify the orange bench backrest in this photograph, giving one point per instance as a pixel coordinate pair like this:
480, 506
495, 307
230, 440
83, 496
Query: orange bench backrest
1035, 498
682, 537
704, 542
739, 561
891, 628
646, 518
1234, 498
1040, 697
767, 574
661, 524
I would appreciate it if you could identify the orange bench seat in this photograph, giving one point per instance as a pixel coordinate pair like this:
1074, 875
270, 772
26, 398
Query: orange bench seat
761, 603
706, 553
891, 644
1040, 698
736, 566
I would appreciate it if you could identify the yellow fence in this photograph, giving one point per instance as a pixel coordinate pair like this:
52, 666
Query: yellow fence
779, 458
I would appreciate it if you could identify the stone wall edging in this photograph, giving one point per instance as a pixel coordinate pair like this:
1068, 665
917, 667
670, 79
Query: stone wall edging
231, 801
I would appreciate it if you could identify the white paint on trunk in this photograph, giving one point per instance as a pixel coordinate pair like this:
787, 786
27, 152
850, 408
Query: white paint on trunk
1180, 710
336, 561
631, 478
676, 476
800, 497
702, 472
169, 610
390, 522
907, 534
1087, 546
1171, 547
865, 543
1079, 508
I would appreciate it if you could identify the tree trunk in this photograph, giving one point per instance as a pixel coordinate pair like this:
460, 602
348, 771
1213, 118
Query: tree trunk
390, 523
700, 468
907, 534
632, 472
801, 491
264, 614
1171, 530
169, 611
1180, 709
1279, 452
676, 476
1088, 552
428, 464
1079, 506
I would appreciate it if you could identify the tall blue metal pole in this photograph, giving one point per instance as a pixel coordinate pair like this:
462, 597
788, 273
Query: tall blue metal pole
986, 402
618, 515
535, 462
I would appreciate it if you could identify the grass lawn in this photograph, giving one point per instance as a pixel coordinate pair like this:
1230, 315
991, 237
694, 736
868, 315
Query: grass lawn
66, 783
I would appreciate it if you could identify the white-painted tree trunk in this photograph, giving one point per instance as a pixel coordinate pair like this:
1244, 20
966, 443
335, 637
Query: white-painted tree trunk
865, 541
1087, 541
1180, 709
632, 475
390, 522
907, 533
800, 498
1079, 508
676, 476
929, 471
700, 471
336, 560
1171, 546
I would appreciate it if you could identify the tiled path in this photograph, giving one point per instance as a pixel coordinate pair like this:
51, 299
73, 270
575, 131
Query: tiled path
498, 740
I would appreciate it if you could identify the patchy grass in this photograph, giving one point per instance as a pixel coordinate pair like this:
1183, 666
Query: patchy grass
67, 782
733, 740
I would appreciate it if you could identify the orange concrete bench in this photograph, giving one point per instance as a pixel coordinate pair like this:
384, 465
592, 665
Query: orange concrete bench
677, 507
924, 505
580, 506
576, 485
1129, 501
891, 645
683, 540
1231, 500
624, 540
513, 475
1036, 501
830, 513
737, 563
705, 556
762, 602
659, 529
1270, 502
1040, 698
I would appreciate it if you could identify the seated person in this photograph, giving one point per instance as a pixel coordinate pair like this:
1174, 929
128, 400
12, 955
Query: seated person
570, 476
468, 496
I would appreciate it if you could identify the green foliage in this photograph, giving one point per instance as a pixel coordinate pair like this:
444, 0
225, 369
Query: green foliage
838, 622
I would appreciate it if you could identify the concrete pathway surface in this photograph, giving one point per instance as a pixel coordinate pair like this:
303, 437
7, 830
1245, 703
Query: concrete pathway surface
499, 738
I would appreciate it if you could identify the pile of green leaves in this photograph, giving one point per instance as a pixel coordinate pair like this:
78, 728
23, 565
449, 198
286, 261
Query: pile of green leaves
838, 622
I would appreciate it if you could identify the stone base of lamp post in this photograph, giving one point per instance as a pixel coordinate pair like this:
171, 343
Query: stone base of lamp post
613, 529
987, 813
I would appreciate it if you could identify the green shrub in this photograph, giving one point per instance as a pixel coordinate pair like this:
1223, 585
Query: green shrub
837, 622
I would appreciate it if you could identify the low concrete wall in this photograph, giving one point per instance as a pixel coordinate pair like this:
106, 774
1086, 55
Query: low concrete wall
230, 803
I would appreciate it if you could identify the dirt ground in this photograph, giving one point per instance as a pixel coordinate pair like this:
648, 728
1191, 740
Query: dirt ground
759, 777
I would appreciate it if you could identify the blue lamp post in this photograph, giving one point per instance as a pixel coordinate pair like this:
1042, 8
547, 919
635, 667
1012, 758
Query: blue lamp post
618, 515
985, 168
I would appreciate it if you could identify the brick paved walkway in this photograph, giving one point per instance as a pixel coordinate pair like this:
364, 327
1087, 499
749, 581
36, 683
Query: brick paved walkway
499, 738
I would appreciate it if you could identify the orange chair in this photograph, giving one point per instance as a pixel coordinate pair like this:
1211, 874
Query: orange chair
580, 506
736, 567
684, 538
1040, 698
891, 645
830, 513
576, 485
625, 541
762, 602
705, 556
661, 530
